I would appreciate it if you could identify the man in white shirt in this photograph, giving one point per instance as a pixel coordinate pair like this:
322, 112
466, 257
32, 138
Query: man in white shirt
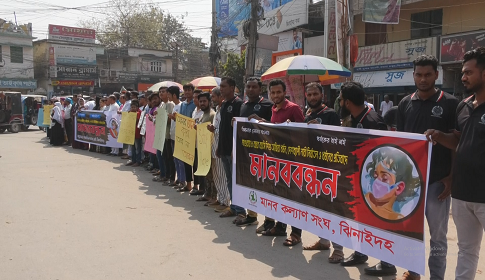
385, 105
67, 120
165, 159
199, 184
127, 105
113, 107
174, 95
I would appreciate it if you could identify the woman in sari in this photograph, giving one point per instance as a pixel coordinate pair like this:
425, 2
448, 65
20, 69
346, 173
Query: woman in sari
57, 125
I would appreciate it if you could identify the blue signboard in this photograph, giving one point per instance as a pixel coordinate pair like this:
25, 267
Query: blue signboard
231, 13
13, 83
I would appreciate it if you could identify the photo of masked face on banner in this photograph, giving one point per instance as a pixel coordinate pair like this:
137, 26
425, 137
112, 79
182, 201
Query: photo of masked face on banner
390, 183
114, 126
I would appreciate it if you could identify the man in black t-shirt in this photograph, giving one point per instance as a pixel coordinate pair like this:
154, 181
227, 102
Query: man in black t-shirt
467, 187
352, 104
431, 108
319, 113
230, 108
351, 101
260, 107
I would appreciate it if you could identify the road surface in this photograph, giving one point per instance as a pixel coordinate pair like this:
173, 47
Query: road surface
71, 214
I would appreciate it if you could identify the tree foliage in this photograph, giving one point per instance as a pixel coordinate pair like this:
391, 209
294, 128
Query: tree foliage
134, 23
131, 23
235, 68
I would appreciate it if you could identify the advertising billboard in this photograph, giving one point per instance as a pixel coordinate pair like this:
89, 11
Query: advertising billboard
453, 47
74, 72
232, 13
74, 83
71, 34
64, 54
394, 55
286, 17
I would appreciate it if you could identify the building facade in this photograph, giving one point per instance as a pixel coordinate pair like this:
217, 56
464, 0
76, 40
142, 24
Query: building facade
133, 68
443, 28
16, 58
65, 63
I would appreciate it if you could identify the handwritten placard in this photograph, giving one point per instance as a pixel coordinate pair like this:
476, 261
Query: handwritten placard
128, 128
185, 136
47, 114
149, 136
160, 129
204, 140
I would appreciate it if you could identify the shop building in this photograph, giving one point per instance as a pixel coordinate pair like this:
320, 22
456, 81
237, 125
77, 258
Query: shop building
65, 63
16, 58
133, 68
443, 28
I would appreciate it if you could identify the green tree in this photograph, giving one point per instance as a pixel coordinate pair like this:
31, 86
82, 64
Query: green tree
132, 23
235, 68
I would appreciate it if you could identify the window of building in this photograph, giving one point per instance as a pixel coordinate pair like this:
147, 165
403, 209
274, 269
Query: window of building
16, 54
375, 34
426, 24
157, 66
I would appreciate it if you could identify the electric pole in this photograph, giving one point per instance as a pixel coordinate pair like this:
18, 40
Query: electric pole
214, 52
251, 31
175, 45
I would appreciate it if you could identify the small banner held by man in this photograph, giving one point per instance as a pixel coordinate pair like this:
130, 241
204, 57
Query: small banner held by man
98, 127
160, 129
363, 189
47, 114
149, 136
185, 137
204, 144
127, 128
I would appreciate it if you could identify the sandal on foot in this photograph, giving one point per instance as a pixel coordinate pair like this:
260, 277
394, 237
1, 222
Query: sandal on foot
227, 214
202, 198
274, 232
317, 246
183, 189
212, 200
336, 257
292, 240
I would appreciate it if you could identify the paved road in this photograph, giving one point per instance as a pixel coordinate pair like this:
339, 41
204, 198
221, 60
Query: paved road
70, 214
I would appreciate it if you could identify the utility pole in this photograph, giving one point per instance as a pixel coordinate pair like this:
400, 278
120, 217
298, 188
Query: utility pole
326, 29
175, 45
214, 53
253, 38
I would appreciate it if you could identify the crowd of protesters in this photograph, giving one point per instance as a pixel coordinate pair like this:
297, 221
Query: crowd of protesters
456, 173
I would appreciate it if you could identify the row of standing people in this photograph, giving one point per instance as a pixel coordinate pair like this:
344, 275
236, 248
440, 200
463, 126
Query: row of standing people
428, 110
